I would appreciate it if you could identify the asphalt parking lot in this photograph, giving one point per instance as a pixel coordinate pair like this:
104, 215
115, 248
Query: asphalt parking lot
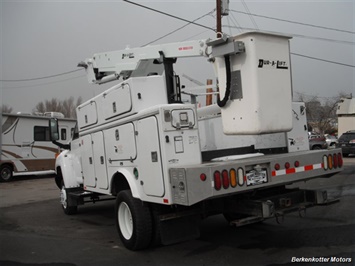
35, 231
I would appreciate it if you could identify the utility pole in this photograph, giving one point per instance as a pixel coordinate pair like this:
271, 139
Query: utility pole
219, 18
222, 9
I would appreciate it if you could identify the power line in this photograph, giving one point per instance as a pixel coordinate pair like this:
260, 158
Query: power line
295, 22
236, 21
324, 60
45, 77
179, 28
170, 15
250, 15
42, 84
298, 35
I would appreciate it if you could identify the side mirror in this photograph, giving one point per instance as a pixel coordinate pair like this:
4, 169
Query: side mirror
53, 129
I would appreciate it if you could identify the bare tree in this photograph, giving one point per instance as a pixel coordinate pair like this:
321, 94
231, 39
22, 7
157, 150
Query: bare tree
321, 116
66, 107
6, 109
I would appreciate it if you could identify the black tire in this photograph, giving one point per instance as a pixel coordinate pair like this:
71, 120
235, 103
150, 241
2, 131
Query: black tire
345, 154
6, 173
133, 221
67, 207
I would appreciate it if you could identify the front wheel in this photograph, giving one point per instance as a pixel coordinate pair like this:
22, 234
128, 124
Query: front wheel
133, 221
68, 208
5, 173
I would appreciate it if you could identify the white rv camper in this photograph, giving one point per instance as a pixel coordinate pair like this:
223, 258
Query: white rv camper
26, 146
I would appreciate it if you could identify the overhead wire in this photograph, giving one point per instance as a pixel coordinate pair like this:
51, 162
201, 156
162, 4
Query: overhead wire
324, 60
38, 78
236, 23
250, 16
42, 84
298, 35
295, 22
208, 28
169, 15
169, 33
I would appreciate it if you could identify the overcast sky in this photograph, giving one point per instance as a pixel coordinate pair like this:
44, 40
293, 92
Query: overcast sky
42, 38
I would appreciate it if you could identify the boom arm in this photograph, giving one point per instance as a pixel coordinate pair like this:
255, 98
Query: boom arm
108, 66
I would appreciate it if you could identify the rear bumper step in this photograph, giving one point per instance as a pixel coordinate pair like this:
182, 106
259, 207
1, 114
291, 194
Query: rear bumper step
263, 207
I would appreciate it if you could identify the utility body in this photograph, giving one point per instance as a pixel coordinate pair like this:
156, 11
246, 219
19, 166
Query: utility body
170, 164
26, 147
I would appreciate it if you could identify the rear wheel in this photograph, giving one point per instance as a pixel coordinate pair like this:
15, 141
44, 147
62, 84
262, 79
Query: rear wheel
5, 173
133, 221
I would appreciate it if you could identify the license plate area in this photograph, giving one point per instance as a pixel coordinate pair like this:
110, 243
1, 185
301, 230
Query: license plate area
256, 177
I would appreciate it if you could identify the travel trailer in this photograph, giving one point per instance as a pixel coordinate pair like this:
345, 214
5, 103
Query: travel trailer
26, 146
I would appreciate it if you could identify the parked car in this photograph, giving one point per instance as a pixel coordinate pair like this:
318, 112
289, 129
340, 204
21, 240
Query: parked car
331, 140
347, 143
317, 142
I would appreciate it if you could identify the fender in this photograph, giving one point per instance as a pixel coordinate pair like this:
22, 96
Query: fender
129, 176
67, 162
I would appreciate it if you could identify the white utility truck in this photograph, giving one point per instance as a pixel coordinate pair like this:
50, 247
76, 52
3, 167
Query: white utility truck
170, 164
26, 147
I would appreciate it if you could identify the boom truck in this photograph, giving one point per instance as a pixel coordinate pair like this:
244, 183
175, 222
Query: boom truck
170, 164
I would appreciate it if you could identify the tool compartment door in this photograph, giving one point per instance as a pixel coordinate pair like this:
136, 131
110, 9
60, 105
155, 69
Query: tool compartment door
100, 160
87, 161
149, 157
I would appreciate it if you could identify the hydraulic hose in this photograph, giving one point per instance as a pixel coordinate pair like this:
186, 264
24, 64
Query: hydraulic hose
228, 83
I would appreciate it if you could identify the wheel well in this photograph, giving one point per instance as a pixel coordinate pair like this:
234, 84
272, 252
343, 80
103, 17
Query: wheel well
118, 183
7, 164
58, 178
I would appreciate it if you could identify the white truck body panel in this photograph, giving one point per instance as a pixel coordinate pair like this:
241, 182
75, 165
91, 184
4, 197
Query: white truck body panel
212, 138
122, 100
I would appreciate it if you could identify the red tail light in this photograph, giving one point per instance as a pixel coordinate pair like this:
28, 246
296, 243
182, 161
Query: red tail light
203, 177
225, 178
335, 160
217, 180
340, 160
287, 165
